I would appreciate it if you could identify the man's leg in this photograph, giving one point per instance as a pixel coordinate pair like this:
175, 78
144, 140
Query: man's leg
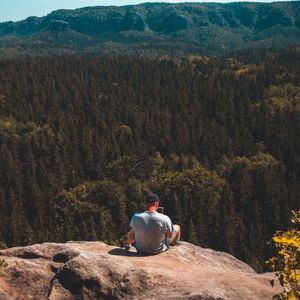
177, 235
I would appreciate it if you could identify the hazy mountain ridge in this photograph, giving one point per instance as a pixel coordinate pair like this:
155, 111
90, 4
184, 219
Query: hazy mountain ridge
190, 27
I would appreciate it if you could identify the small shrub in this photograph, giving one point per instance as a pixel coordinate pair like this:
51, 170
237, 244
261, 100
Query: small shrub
3, 266
2, 245
286, 263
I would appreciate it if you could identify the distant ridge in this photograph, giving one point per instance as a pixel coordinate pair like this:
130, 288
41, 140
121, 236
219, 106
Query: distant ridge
156, 29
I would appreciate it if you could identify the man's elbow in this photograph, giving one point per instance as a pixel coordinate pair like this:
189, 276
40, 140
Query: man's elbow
169, 234
130, 238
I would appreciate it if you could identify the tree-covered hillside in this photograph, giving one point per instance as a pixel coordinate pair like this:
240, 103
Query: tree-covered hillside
155, 29
83, 138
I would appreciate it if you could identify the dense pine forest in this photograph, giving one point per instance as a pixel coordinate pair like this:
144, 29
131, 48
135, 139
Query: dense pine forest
83, 138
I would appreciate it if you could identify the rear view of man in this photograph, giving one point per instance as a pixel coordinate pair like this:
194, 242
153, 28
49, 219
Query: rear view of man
152, 232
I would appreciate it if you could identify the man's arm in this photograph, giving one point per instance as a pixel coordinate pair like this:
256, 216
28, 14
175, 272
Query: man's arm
130, 239
169, 234
169, 227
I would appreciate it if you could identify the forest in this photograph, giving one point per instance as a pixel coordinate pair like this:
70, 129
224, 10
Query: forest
84, 138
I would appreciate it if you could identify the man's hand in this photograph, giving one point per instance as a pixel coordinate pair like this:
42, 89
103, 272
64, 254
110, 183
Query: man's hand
127, 246
130, 240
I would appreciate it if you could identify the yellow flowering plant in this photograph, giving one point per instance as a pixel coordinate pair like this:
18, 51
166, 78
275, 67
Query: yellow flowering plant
286, 263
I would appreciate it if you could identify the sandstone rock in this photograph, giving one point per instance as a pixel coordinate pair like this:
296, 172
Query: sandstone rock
94, 270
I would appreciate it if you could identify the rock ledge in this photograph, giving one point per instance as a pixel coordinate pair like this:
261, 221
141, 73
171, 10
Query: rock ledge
94, 270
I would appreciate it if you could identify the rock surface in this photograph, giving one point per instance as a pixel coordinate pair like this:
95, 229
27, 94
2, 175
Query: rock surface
94, 270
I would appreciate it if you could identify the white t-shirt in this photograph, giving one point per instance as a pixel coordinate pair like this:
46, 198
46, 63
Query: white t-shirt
149, 231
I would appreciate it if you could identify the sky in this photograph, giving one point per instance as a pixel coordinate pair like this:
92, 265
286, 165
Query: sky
14, 10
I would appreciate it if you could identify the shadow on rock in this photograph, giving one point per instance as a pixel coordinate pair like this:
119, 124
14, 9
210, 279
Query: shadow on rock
124, 252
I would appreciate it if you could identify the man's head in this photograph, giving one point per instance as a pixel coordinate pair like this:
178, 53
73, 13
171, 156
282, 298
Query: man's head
152, 201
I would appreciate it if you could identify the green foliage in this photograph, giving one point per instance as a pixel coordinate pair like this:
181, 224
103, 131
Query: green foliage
156, 29
255, 188
92, 211
82, 139
104, 207
3, 266
284, 98
11, 126
2, 245
192, 190
287, 261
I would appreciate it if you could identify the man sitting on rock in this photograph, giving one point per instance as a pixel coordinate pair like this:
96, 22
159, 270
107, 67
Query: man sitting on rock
152, 232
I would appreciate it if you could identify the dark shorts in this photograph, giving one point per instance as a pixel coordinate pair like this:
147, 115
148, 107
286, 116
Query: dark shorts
171, 239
